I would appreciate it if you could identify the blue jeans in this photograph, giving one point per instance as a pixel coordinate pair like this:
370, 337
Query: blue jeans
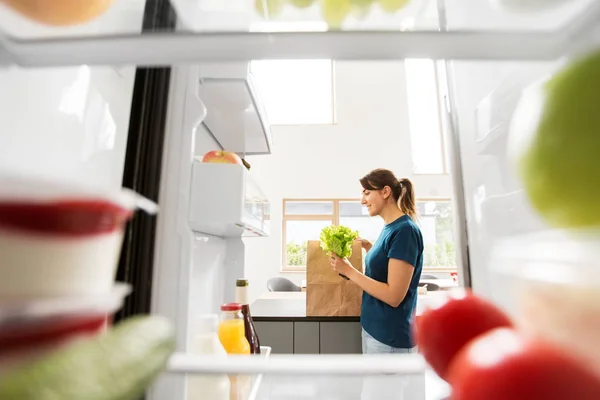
388, 386
370, 345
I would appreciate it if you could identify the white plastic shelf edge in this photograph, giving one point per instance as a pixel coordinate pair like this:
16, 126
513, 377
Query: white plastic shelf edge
307, 365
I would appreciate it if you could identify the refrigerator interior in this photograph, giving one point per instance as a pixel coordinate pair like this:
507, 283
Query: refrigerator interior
72, 122
483, 97
66, 123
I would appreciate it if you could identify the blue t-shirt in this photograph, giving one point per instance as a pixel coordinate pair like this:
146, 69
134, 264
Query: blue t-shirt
402, 240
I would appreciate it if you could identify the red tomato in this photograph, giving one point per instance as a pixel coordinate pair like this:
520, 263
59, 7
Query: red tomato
503, 364
441, 332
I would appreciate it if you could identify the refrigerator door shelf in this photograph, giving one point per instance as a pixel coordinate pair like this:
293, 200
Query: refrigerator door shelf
322, 376
236, 115
300, 365
184, 364
227, 202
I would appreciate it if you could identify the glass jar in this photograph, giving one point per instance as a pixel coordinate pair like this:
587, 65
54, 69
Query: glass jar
231, 329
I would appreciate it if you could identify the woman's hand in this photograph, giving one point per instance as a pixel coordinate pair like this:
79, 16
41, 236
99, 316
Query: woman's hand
365, 244
340, 265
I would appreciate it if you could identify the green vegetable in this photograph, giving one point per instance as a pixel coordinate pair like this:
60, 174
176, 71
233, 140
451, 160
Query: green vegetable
338, 240
118, 365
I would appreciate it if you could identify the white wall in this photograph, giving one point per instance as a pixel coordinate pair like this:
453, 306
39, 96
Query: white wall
372, 131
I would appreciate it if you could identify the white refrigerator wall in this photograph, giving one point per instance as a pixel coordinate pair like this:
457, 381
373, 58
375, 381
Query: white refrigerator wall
194, 273
495, 203
66, 123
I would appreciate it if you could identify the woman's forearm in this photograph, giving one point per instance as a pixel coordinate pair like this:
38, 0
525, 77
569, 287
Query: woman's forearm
380, 290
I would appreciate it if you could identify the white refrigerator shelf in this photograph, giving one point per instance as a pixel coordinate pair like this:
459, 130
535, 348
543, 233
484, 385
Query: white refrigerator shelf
299, 365
233, 31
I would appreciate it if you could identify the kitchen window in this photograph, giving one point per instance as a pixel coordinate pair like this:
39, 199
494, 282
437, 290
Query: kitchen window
303, 220
424, 117
296, 92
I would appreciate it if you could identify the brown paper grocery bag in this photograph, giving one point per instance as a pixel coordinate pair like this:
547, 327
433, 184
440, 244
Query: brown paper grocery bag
327, 293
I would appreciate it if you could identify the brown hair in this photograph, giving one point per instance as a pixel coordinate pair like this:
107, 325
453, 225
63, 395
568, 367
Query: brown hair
402, 189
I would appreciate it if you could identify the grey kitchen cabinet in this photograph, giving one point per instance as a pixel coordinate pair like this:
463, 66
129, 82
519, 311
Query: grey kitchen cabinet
306, 337
279, 335
340, 338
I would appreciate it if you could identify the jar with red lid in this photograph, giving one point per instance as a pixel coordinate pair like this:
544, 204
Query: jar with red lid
231, 329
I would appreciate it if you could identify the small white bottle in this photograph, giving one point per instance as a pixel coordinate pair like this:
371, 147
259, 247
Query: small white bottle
206, 342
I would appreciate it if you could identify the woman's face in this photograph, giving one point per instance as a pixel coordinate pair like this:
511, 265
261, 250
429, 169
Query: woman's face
374, 200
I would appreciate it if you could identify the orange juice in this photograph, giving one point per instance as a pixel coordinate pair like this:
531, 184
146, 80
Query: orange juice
231, 330
232, 337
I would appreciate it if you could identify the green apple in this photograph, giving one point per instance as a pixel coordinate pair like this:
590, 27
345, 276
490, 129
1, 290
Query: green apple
391, 6
554, 144
361, 7
302, 3
335, 12
269, 8
361, 3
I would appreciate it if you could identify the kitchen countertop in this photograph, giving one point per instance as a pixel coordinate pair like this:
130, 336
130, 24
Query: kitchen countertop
291, 306
287, 306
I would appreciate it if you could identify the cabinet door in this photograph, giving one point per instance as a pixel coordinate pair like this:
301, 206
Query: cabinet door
306, 338
340, 338
277, 335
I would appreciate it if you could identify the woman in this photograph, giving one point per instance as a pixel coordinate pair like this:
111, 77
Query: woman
393, 265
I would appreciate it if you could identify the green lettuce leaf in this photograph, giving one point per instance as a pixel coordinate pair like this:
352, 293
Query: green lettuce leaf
338, 240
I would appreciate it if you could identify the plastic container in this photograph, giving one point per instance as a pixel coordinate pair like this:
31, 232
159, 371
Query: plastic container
231, 329
30, 329
31, 314
60, 240
550, 283
206, 342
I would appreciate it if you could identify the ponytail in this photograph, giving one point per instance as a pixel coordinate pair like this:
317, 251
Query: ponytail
402, 189
406, 200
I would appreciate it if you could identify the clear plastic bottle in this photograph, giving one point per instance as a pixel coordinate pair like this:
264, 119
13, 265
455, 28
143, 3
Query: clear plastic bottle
206, 342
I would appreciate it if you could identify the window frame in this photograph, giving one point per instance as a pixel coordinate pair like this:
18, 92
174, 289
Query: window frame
441, 130
333, 101
334, 217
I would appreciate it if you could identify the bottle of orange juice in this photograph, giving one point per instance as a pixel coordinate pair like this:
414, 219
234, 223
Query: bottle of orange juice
231, 329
